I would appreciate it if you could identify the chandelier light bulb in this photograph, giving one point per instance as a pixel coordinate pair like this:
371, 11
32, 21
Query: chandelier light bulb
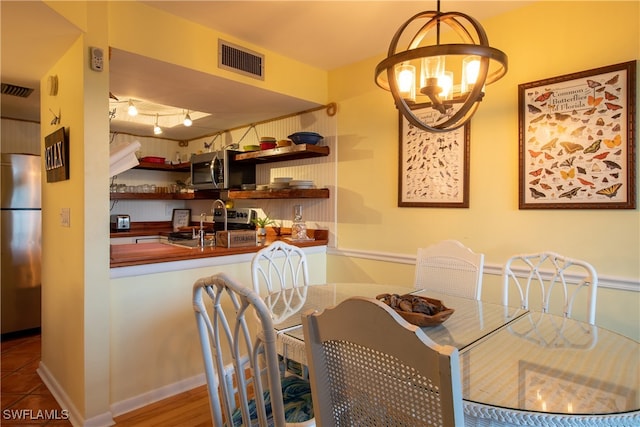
470, 70
406, 75
445, 82
132, 110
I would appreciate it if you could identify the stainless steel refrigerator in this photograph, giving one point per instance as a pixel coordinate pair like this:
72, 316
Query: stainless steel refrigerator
20, 225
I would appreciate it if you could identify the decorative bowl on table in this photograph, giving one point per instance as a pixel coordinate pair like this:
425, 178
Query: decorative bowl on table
417, 310
305, 138
251, 147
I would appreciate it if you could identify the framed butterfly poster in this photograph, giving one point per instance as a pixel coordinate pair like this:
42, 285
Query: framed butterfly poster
434, 167
577, 148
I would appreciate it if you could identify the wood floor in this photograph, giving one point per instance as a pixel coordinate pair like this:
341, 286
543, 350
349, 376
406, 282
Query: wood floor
26, 401
186, 409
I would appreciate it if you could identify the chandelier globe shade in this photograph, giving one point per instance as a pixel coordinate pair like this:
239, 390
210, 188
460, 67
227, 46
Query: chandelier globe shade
435, 64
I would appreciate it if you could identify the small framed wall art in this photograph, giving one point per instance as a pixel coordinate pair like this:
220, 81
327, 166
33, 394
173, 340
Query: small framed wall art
576, 137
181, 218
433, 167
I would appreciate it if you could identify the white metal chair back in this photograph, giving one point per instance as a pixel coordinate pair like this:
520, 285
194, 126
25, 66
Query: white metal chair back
277, 267
450, 267
221, 305
551, 273
369, 367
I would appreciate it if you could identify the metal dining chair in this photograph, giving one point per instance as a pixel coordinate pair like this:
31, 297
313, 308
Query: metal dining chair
451, 268
261, 396
369, 367
279, 266
274, 268
558, 279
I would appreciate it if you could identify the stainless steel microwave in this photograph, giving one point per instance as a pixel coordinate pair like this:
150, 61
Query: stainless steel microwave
220, 170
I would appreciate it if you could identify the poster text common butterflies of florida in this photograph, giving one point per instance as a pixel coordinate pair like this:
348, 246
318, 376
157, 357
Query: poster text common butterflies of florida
574, 148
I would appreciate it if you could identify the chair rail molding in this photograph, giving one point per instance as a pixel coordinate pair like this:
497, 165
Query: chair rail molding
611, 282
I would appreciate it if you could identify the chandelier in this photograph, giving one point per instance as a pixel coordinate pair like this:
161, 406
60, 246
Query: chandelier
431, 68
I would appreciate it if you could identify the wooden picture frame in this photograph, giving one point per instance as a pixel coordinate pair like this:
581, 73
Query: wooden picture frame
433, 167
180, 218
56, 156
576, 134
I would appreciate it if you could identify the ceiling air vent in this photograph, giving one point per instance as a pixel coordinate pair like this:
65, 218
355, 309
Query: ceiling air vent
244, 61
14, 90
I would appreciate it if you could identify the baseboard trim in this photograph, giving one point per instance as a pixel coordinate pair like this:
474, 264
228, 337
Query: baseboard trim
611, 282
75, 417
136, 402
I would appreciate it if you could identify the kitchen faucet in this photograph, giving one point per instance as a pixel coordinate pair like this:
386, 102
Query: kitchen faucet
200, 235
224, 211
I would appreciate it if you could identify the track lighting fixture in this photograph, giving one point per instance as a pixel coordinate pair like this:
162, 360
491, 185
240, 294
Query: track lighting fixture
132, 110
156, 129
147, 113
187, 120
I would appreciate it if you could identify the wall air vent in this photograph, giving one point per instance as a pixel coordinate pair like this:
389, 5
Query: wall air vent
241, 60
14, 90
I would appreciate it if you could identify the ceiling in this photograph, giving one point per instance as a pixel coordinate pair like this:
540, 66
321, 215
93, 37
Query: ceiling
325, 34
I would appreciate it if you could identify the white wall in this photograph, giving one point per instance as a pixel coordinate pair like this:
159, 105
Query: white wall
18, 136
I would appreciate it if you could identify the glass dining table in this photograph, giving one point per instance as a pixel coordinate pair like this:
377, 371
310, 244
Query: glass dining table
518, 368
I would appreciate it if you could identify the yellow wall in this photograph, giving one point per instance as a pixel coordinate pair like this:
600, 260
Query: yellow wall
147, 31
542, 40
75, 268
154, 339
63, 270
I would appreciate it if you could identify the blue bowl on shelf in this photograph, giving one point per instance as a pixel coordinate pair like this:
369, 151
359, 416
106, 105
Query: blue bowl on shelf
305, 138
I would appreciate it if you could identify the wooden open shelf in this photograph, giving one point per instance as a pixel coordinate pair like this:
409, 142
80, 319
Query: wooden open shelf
209, 194
278, 154
314, 193
181, 167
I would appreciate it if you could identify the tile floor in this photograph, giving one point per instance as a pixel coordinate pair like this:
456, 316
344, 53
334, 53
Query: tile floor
26, 401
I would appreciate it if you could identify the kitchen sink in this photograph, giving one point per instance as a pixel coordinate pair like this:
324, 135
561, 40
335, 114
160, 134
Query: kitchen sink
186, 240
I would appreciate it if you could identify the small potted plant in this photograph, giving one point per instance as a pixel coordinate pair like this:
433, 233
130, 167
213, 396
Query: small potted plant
261, 223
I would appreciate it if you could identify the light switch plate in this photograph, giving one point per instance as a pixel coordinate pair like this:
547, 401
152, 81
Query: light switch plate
65, 217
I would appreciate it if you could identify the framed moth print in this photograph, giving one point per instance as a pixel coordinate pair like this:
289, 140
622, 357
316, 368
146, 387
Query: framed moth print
577, 148
433, 167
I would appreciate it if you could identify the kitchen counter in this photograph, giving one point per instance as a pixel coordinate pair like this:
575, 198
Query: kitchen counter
139, 229
151, 253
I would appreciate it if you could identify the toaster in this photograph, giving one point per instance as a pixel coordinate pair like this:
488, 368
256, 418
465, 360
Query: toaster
120, 223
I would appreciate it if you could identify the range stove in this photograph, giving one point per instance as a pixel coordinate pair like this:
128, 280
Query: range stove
237, 219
